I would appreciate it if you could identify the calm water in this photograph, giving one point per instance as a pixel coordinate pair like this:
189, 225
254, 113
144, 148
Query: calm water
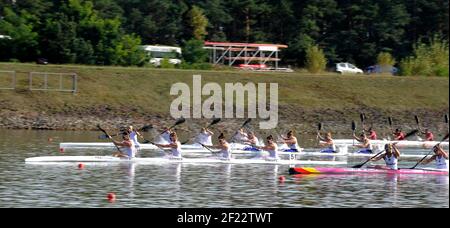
187, 185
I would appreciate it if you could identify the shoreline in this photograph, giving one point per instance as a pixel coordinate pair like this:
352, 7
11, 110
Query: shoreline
332, 120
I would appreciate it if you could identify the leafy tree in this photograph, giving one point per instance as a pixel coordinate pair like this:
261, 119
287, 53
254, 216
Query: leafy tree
315, 60
24, 41
193, 52
198, 22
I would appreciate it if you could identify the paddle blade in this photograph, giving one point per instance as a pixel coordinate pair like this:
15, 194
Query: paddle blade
414, 132
358, 166
353, 125
417, 119
246, 122
446, 118
361, 117
390, 121
364, 116
319, 126
215, 121
445, 138
180, 121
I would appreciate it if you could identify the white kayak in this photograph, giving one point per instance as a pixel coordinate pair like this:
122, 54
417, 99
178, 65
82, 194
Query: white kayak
404, 143
56, 159
102, 145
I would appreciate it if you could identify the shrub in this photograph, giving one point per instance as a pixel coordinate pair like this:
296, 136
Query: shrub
428, 59
315, 59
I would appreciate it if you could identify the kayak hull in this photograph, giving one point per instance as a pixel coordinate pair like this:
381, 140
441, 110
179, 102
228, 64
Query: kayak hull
332, 170
110, 159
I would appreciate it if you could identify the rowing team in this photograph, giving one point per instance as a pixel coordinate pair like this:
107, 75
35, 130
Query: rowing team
364, 145
392, 153
130, 141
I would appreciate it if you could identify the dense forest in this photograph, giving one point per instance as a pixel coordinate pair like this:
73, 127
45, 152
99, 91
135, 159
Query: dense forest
108, 32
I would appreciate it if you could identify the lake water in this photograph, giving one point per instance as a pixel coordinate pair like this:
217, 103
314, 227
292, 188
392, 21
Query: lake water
188, 185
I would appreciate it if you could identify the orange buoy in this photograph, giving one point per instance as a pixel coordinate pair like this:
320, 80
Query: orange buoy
111, 197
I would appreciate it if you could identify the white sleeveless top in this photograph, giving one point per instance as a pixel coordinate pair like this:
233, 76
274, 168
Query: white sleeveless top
273, 154
130, 151
391, 162
133, 137
176, 152
205, 139
241, 137
166, 137
226, 154
441, 162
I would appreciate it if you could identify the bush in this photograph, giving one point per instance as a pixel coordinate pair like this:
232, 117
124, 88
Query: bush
193, 52
385, 59
196, 66
428, 59
165, 63
315, 59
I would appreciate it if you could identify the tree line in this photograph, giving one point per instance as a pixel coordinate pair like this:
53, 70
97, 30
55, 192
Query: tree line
109, 32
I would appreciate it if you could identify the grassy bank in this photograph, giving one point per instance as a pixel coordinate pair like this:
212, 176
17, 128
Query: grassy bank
137, 92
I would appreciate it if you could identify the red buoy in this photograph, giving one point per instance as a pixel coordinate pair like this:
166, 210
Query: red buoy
81, 166
281, 178
111, 197
61, 150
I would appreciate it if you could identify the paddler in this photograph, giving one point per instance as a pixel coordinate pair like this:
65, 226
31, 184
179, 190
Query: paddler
291, 141
372, 134
134, 137
326, 142
440, 157
205, 137
428, 135
365, 146
224, 147
251, 140
271, 147
390, 156
166, 134
174, 145
240, 135
399, 135
128, 148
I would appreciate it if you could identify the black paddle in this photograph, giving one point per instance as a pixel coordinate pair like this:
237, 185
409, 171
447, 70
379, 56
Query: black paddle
417, 121
363, 120
208, 148
446, 120
101, 129
179, 121
353, 129
361, 165
390, 123
445, 138
144, 129
319, 128
243, 125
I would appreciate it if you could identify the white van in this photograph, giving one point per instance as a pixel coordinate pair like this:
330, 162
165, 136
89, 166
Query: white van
344, 68
158, 53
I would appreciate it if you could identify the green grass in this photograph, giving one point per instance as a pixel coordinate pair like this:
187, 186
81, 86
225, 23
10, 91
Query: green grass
142, 91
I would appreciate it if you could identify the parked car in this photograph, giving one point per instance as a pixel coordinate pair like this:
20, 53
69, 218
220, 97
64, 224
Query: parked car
344, 68
377, 69
42, 61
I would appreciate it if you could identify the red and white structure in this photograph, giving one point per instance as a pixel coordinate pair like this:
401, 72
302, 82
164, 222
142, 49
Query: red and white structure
245, 55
